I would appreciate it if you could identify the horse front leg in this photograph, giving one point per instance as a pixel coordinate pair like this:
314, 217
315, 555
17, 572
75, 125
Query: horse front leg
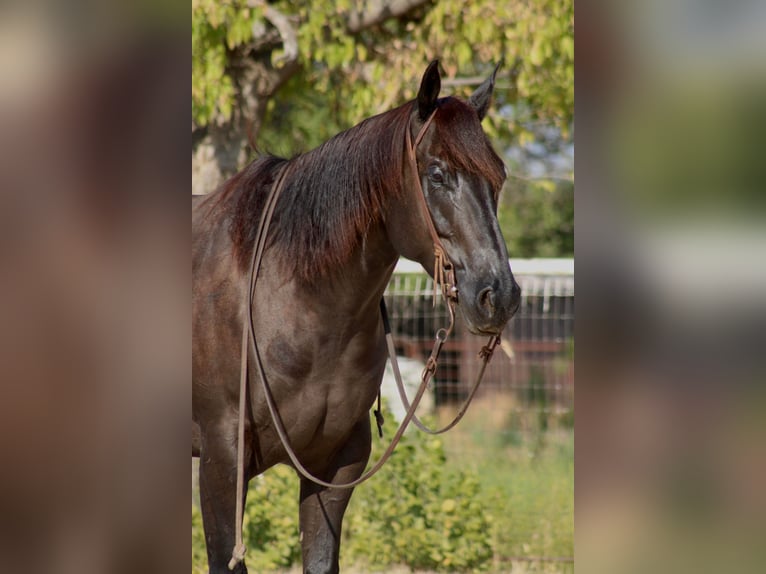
217, 484
322, 509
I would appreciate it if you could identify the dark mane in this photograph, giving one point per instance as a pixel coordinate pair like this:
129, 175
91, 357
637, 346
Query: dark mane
331, 195
334, 193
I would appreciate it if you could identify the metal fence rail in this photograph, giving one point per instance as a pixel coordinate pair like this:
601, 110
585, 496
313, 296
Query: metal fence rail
536, 360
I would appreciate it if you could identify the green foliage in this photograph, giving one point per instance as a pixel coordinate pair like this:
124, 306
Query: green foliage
419, 511
431, 507
343, 77
271, 524
216, 27
199, 554
537, 218
534, 38
354, 70
303, 119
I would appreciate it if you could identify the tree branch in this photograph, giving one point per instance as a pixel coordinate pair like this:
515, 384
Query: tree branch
286, 31
377, 11
272, 78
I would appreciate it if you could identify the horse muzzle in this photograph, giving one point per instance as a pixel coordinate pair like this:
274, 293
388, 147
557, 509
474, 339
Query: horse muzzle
488, 306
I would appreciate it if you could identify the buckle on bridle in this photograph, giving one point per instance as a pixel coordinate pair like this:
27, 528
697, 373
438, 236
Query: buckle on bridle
444, 277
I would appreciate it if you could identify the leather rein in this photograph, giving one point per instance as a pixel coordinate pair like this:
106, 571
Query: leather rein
444, 278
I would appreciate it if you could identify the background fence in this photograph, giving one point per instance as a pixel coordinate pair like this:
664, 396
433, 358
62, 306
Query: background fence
535, 363
518, 435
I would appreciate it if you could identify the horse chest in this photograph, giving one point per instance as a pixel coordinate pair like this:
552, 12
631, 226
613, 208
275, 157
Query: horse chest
323, 390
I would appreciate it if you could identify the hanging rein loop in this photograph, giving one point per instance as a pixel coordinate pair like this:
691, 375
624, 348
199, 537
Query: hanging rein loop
444, 277
485, 354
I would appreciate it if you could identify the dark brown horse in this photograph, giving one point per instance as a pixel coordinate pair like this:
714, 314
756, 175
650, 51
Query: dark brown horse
346, 213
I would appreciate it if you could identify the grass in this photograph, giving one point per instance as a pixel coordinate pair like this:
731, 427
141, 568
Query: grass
527, 478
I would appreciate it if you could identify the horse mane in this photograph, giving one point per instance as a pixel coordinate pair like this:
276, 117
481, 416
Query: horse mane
332, 194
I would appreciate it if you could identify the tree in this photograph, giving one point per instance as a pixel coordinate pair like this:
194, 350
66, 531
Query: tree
537, 209
288, 75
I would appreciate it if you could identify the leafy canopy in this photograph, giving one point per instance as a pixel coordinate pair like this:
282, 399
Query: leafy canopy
349, 71
342, 64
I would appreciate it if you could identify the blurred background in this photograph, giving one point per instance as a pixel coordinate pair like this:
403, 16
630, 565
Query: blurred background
282, 77
94, 293
671, 262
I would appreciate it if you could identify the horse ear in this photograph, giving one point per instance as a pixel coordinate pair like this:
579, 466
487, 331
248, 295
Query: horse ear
481, 98
430, 86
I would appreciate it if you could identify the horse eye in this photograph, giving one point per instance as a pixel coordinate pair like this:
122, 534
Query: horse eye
435, 174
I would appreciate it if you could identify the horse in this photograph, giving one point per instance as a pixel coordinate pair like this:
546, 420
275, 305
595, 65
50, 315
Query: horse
346, 212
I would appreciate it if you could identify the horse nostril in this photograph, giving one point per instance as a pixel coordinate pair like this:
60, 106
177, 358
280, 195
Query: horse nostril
487, 300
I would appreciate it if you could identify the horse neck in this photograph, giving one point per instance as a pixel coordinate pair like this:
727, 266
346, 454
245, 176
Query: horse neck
368, 271
358, 285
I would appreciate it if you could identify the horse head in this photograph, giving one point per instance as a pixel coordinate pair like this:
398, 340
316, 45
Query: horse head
460, 177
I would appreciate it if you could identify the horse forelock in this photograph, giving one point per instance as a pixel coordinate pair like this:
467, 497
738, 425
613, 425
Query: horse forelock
463, 143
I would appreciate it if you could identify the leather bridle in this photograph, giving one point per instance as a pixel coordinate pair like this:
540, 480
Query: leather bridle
444, 271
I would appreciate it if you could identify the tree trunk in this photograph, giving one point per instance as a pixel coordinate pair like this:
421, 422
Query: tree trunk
216, 157
218, 152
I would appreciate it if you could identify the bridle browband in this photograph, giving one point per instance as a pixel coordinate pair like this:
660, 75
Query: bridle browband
444, 277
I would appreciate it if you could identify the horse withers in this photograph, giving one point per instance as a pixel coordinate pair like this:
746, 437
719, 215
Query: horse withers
346, 212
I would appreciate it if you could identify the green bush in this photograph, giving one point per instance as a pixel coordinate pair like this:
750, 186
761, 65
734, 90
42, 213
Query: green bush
414, 512
418, 512
271, 526
199, 554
